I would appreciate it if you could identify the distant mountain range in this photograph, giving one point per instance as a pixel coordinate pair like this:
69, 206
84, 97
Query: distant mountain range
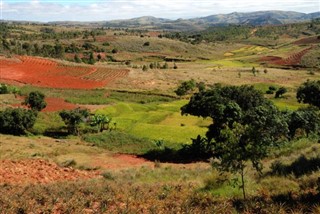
252, 18
273, 17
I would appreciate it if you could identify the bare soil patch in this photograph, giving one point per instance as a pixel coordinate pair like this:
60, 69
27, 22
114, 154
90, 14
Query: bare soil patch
47, 73
120, 161
38, 171
306, 41
53, 104
293, 60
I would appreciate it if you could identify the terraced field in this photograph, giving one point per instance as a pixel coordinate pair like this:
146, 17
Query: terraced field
106, 74
47, 73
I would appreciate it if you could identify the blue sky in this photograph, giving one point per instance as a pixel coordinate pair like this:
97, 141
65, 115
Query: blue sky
99, 10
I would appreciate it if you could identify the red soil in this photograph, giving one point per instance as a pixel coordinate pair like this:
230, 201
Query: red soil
270, 59
306, 41
46, 73
292, 60
57, 104
120, 161
53, 104
38, 171
42, 171
154, 33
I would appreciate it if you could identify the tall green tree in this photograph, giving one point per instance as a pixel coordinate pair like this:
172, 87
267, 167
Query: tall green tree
245, 126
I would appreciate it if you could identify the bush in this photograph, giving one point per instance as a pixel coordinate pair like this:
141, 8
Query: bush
144, 68
269, 92
309, 92
281, 91
35, 101
146, 44
73, 119
4, 89
185, 87
175, 66
16, 121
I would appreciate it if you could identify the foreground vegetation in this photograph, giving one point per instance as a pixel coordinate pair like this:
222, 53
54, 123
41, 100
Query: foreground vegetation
172, 189
262, 112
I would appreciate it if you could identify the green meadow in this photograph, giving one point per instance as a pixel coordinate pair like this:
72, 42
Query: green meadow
156, 121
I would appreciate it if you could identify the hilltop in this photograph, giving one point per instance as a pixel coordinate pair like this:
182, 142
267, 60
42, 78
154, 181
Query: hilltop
274, 17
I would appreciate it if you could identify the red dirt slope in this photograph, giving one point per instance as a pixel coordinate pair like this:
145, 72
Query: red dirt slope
47, 73
292, 60
38, 171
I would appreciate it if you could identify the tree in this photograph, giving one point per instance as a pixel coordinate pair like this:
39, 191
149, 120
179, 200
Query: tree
165, 66
309, 92
59, 51
185, 87
281, 91
91, 59
246, 125
253, 70
99, 57
4, 89
16, 120
73, 118
305, 119
101, 121
35, 101
175, 66
77, 59
144, 68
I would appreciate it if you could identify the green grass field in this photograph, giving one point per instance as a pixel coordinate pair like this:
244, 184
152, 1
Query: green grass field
156, 121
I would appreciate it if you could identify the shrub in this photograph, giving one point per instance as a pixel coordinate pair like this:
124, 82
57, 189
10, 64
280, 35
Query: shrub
309, 92
165, 66
281, 91
4, 89
185, 87
144, 68
77, 58
16, 121
35, 101
73, 119
175, 66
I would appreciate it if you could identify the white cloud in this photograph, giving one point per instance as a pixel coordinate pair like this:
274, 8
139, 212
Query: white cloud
86, 10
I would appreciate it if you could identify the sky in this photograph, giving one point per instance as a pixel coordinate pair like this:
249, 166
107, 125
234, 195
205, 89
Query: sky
101, 10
